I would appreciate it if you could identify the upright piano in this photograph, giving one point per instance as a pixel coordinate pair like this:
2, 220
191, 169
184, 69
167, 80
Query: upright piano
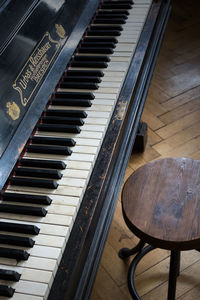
74, 76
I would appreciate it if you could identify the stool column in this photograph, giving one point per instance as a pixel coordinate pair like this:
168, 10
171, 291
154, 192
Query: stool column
173, 273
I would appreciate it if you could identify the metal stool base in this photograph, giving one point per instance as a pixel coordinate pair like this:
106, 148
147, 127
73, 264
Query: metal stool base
173, 271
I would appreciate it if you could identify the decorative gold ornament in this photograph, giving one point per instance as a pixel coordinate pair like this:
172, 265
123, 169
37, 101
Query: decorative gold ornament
13, 110
60, 31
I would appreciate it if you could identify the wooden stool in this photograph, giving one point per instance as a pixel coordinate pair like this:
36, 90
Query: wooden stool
161, 205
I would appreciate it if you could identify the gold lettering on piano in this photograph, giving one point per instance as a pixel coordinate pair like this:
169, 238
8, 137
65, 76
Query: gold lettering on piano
60, 31
121, 110
13, 110
35, 68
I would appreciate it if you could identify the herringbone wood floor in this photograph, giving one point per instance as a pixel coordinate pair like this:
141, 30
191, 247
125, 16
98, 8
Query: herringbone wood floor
172, 112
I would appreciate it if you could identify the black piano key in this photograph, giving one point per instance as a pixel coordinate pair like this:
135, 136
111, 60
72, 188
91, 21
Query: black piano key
16, 240
111, 16
101, 39
119, 1
32, 182
71, 102
45, 140
103, 12
96, 50
92, 58
9, 275
66, 113
59, 128
82, 73
27, 198
89, 64
48, 149
109, 21
113, 5
6, 291
41, 173
78, 85
75, 95
62, 120
19, 228
97, 45
86, 79
43, 163
104, 28
14, 253
104, 33
23, 210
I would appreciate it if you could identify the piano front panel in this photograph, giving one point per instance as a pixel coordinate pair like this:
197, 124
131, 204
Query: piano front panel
39, 270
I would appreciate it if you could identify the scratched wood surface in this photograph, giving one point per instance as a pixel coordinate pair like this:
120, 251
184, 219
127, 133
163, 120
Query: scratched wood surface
172, 111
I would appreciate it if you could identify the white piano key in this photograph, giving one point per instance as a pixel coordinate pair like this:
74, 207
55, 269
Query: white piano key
61, 209
75, 173
104, 101
94, 127
19, 296
45, 252
49, 241
85, 149
72, 182
80, 165
38, 263
99, 121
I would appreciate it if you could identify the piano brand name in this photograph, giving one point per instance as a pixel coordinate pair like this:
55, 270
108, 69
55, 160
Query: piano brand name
35, 68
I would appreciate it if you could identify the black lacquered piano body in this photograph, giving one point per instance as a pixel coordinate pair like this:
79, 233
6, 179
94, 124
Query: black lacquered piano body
54, 29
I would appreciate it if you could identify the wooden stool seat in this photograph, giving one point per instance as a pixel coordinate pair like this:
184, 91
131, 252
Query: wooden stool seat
161, 205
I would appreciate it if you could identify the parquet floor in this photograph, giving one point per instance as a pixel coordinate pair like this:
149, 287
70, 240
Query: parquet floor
172, 112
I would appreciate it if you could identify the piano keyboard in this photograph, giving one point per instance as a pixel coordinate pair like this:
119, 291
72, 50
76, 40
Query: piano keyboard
41, 202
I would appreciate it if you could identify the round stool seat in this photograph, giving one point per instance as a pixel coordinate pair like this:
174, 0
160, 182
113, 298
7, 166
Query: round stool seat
161, 203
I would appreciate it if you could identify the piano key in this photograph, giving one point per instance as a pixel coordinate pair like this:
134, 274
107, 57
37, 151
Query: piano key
53, 141
6, 291
19, 296
111, 16
66, 113
101, 50
110, 33
112, 5
28, 287
94, 58
59, 128
81, 85
112, 12
6, 274
48, 149
24, 210
62, 120
35, 199
31, 172
75, 102
17, 254
45, 183
49, 164
16, 240
75, 73
97, 28
109, 21
89, 64
68, 78
75, 95
19, 228
99, 44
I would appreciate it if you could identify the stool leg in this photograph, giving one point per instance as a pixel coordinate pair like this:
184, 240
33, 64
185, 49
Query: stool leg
173, 273
125, 252
132, 268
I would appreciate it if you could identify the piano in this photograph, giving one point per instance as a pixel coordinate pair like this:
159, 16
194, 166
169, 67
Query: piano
74, 78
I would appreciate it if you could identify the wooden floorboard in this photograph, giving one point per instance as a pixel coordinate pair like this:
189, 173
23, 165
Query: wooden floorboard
172, 112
